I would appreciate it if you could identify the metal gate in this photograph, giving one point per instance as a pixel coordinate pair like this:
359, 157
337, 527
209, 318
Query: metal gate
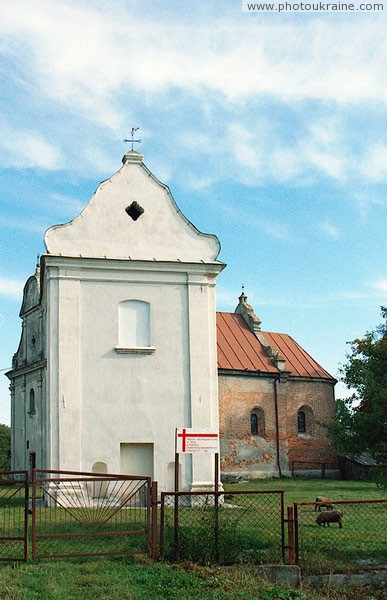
14, 515
87, 514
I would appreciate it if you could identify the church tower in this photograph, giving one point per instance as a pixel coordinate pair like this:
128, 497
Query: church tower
126, 313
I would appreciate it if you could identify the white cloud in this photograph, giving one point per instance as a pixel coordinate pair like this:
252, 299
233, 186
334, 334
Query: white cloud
275, 229
24, 149
381, 286
81, 54
11, 288
365, 201
24, 225
226, 299
67, 204
371, 291
286, 164
375, 163
330, 230
107, 62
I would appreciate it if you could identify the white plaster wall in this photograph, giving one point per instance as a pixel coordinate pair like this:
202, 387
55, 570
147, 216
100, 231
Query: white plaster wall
18, 416
99, 398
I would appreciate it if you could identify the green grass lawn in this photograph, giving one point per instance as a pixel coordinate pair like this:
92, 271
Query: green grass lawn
141, 579
306, 490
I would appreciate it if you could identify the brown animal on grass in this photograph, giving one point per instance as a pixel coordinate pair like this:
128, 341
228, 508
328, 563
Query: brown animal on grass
329, 516
324, 503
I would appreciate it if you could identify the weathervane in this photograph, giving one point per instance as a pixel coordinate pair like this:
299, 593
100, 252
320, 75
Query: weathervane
132, 141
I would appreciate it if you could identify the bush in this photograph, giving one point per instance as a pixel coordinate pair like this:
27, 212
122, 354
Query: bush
5, 447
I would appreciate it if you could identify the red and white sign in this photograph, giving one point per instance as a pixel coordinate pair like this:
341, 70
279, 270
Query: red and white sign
196, 440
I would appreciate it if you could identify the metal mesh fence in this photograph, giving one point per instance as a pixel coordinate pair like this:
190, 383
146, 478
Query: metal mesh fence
355, 539
13, 515
222, 527
82, 514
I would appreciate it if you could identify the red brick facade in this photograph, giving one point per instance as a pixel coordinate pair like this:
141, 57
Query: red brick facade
255, 455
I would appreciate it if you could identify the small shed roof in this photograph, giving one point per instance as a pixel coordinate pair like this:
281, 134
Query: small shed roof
240, 350
362, 459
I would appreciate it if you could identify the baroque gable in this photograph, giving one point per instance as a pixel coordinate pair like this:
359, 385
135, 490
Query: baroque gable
132, 215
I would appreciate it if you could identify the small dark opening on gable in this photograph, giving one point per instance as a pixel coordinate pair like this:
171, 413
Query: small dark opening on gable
134, 210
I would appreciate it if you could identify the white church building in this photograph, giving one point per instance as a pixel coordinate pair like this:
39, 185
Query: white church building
118, 344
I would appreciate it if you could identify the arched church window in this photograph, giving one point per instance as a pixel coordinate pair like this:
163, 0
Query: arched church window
134, 324
254, 424
305, 420
257, 422
31, 405
301, 421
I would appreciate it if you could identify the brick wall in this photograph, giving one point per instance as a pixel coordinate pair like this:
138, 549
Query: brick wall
256, 455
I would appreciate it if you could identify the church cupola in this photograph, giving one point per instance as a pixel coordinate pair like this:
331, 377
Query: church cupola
247, 312
254, 323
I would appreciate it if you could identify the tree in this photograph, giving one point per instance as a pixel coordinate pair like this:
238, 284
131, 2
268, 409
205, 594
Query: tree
360, 424
5, 447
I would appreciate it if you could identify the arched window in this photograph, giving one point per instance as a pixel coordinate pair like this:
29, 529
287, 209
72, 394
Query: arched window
254, 424
257, 422
134, 324
301, 421
31, 406
305, 420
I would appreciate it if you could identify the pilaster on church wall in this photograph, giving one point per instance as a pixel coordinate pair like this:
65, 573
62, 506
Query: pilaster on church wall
203, 372
51, 292
69, 384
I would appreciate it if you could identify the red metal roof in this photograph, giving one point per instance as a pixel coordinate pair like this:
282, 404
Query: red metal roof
240, 350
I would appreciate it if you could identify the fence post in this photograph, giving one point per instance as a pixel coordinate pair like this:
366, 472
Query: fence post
176, 526
176, 509
292, 559
33, 508
154, 527
216, 507
282, 526
296, 547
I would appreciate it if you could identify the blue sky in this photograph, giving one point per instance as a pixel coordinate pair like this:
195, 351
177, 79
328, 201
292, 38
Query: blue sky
269, 129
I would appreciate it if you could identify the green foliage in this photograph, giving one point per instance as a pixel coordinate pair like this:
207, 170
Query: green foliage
360, 425
5, 447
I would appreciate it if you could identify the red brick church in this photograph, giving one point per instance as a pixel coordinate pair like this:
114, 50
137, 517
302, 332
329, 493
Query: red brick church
272, 394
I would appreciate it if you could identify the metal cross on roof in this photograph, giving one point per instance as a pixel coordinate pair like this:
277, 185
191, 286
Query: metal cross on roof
133, 141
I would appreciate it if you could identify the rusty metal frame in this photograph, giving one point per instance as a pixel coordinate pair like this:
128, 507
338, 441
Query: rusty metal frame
216, 495
23, 483
83, 476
